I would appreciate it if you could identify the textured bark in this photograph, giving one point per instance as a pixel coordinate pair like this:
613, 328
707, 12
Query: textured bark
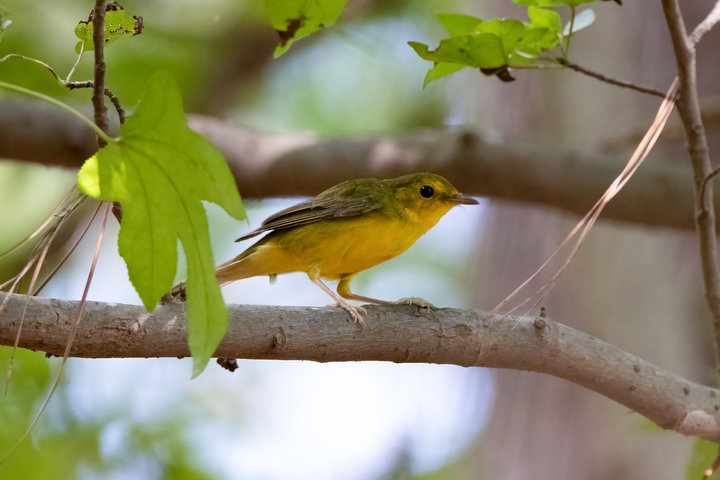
393, 333
301, 164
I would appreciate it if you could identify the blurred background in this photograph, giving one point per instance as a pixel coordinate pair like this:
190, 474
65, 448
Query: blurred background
634, 286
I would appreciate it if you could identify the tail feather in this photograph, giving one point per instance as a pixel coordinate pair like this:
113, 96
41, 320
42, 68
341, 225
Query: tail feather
260, 259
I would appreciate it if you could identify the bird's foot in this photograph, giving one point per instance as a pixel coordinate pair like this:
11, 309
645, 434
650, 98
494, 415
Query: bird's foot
177, 294
422, 303
355, 312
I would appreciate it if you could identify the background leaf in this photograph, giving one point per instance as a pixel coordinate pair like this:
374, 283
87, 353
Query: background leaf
160, 171
295, 19
117, 24
582, 20
702, 457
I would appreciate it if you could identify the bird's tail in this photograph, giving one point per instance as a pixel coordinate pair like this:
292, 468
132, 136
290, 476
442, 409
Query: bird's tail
244, 265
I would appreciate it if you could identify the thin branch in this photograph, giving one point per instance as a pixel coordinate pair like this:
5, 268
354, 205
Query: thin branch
611, 81
115, 101
706, 25
689, 109
98, 97
398, 333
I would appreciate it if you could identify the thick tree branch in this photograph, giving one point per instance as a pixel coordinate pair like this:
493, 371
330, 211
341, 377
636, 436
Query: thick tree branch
689, 109
393, 333
300, 164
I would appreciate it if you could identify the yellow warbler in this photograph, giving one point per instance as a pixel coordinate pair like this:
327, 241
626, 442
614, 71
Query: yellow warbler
348, 228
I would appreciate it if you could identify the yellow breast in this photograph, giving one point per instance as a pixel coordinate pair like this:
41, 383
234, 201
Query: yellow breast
332, 249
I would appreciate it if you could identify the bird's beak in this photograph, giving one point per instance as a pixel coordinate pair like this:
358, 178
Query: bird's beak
461, 199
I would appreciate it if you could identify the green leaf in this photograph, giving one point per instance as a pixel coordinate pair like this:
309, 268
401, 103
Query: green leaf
702, 457
557, 3
117, 24
582, 20
295, 19
441, 69
549, 20
540, 3
160, 170
480, 51
457, 24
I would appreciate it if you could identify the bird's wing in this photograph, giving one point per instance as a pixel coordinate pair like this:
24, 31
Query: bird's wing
347, 199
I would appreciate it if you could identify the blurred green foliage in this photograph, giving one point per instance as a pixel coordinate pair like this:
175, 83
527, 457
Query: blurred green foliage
701, 459
66, 443
357, 77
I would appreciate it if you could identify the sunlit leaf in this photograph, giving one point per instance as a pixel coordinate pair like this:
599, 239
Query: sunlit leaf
295, 19
440, 70
118, 24
582, 20
457, 24
160, 170
549, 20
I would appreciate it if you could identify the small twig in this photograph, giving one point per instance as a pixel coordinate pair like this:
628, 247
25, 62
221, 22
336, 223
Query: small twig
98, 97
570, 33
115, 101
612, 81
706, 25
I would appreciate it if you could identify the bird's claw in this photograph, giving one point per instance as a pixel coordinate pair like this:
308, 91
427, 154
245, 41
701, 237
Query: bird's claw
355, 312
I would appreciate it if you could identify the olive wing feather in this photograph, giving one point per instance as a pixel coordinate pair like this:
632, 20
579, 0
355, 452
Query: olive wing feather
347, 199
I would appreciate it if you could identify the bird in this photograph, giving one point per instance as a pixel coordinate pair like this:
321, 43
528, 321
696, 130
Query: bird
344, 230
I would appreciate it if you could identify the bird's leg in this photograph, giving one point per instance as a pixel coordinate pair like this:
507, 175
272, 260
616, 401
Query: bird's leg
355, 312
343, 289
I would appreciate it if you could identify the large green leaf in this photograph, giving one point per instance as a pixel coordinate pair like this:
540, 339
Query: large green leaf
295, 19
159, 170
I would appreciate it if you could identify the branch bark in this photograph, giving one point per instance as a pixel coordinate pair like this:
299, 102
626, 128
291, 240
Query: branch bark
398, 333
510, 169
689, 109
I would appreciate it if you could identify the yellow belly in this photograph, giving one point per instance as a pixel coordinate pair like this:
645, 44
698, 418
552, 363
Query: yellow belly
330, 249
337, 248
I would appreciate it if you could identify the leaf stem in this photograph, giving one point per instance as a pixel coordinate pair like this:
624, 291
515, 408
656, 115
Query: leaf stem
570, 32
26, 91
77, 62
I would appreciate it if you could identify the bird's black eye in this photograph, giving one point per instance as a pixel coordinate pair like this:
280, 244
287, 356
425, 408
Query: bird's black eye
427, 191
